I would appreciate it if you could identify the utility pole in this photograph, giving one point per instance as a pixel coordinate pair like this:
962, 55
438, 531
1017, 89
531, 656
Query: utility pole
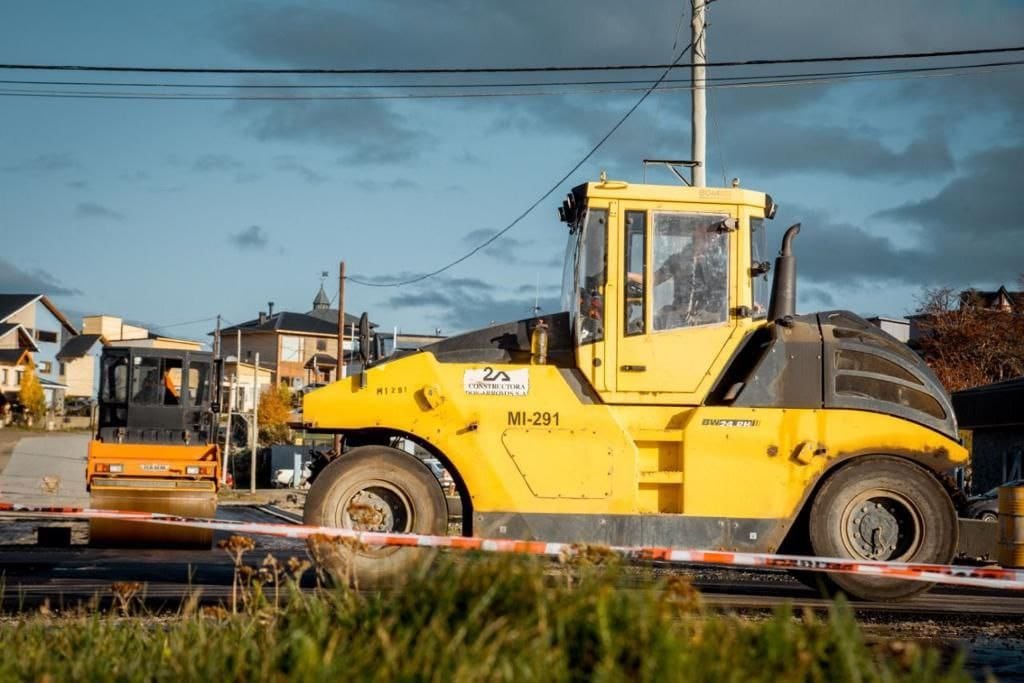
227, 429
218, 382
254, 435
698, 102
340, 370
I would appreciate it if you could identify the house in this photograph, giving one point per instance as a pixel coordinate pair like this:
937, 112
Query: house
247, 380
119, 333
897, 327
1000, 300
32, 330
79, 360
300, 348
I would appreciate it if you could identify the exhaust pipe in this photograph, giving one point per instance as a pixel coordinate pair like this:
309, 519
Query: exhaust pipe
783, 300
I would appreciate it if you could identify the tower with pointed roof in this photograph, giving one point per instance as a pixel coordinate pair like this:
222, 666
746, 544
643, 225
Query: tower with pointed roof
321, 302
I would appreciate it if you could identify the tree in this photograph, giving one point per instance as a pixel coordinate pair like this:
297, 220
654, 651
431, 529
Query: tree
967, 344
31, 393
275, 409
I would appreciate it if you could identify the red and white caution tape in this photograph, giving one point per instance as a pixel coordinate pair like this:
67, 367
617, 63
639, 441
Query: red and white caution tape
979, 577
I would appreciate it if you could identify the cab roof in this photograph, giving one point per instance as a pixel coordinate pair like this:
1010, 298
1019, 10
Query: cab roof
620, 189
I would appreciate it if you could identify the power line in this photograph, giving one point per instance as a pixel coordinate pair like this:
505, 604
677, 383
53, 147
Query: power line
183, 324
537, 202
492, 70
576, 87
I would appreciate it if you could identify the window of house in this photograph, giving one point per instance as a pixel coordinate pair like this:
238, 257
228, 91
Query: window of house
45, 366
63, 368
291, 349
3, 375
46, 336
321, 344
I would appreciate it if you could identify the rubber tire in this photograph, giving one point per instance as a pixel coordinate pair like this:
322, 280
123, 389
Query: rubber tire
353, 471
939, 525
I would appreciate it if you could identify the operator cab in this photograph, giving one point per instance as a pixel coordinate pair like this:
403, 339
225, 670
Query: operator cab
661, 283
158, 396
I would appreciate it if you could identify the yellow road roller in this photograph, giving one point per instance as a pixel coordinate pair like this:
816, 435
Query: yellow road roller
154, 446
678, 399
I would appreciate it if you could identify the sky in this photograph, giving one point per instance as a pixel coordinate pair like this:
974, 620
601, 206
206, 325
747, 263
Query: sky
171, 211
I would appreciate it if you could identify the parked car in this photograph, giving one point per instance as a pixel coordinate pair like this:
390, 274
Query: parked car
283, 478
78, 405
985, 506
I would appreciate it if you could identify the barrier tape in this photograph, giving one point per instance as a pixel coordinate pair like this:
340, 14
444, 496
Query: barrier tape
977, 577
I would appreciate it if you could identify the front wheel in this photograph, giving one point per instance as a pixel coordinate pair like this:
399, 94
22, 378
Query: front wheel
374, 488
883, 508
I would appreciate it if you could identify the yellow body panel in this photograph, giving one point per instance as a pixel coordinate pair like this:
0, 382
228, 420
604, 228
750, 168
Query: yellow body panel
548, 451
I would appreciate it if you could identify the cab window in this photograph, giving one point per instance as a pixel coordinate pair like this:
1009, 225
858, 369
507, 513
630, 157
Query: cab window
634, 292
591, 273
691, 270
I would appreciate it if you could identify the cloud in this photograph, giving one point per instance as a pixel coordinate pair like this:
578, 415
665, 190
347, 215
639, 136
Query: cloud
37, 281
44, 163
831, 149
506, 249
377, 186
367, 132
968, 232
92, 210
217, 162
254, 237
468, 303
293, 165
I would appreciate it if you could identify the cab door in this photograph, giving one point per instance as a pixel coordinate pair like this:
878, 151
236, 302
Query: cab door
593, 291
677, 268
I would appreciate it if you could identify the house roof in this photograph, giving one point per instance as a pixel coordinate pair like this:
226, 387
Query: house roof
322, 360
50, 384
315, 322
989, 299
8, 328
78, 346
12, 356
12, 303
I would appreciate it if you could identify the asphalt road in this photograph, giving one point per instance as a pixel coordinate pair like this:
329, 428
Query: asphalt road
46, 470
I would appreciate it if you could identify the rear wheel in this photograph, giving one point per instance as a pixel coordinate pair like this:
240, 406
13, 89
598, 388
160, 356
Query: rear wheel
882, 508
375, 488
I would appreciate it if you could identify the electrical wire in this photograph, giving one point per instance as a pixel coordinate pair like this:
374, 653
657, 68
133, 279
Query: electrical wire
183, 324
511, 69
582, 87
537, 202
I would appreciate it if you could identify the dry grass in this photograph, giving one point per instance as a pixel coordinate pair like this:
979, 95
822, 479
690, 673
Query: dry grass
488, 618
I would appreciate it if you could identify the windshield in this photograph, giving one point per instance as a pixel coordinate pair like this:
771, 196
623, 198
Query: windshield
584, 277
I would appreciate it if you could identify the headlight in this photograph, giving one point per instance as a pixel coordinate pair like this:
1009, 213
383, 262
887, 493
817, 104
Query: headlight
192, 469
116, 469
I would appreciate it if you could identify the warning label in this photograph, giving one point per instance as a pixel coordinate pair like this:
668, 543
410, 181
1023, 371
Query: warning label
491, 382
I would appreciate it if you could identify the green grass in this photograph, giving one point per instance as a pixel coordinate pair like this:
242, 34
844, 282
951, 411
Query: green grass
491, 618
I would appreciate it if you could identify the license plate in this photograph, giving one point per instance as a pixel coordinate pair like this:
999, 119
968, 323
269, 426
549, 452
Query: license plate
153, 467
